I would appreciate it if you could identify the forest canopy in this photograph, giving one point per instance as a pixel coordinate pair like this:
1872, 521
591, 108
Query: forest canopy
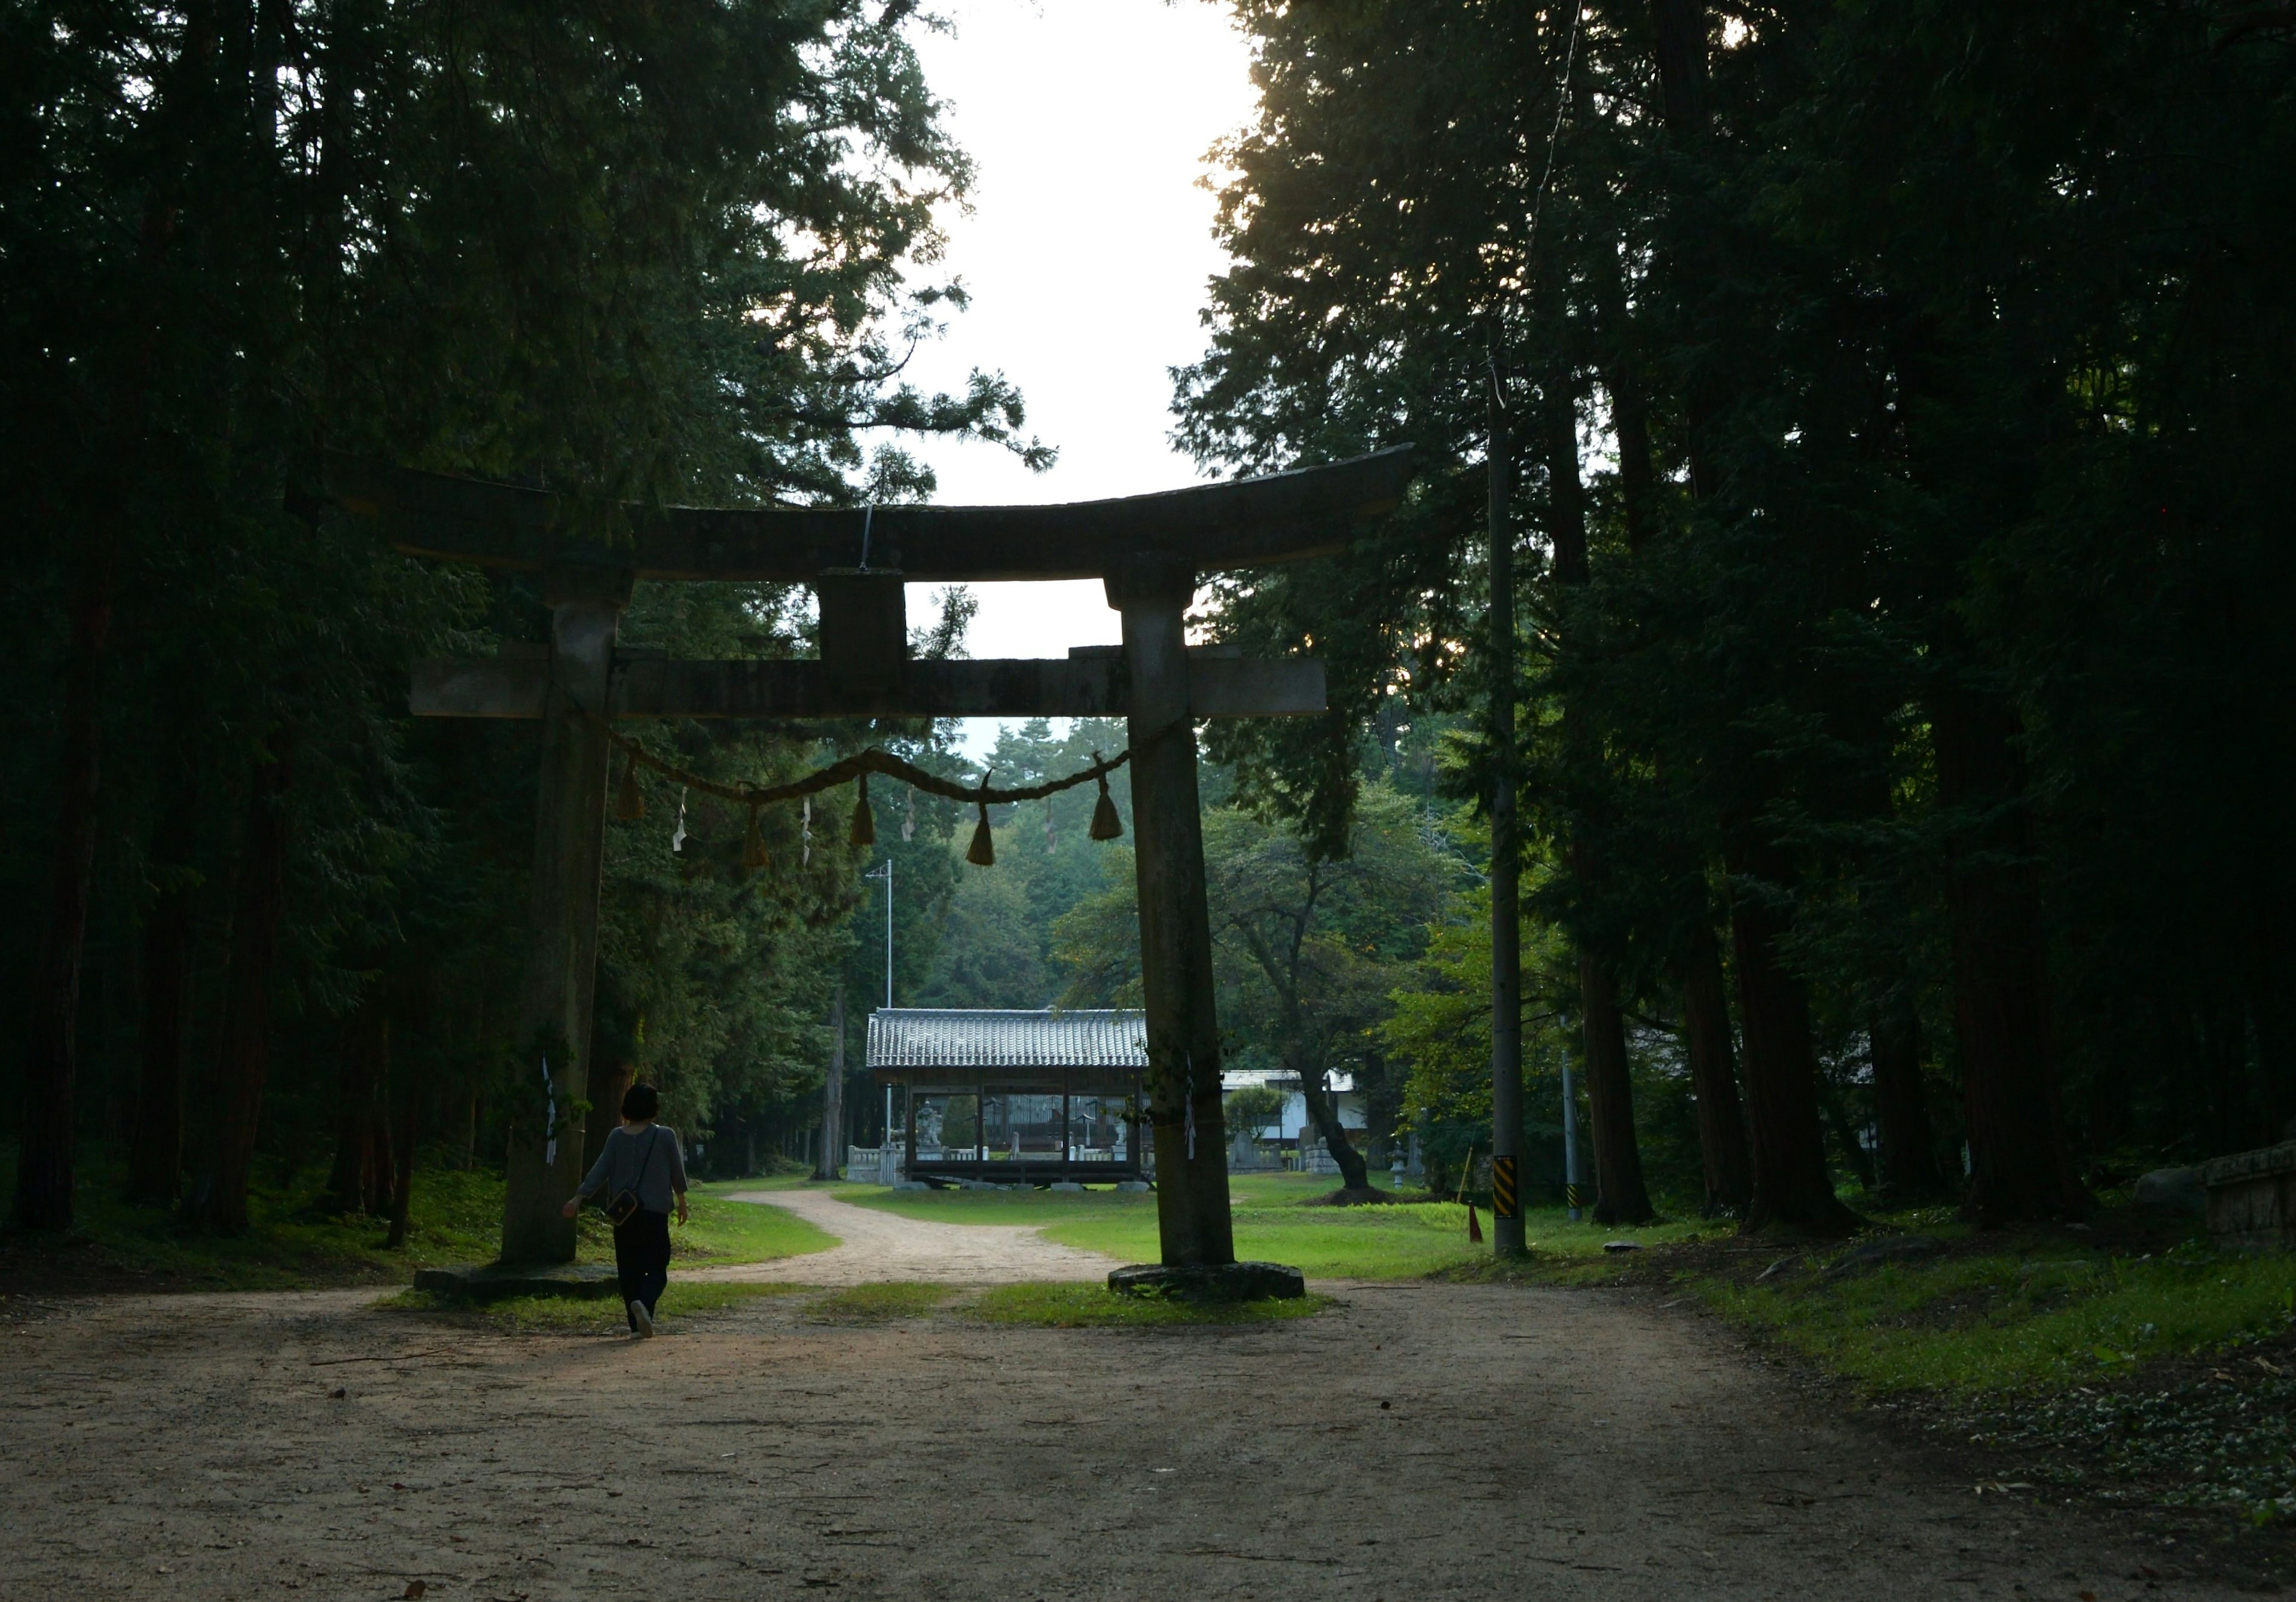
1882, 398
625, 254
1848, 538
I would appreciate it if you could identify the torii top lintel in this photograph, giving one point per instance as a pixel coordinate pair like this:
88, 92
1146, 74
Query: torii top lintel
1245, 523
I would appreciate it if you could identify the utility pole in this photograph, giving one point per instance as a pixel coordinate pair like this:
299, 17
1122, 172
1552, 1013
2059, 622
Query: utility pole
884, 871
1506, 913
832, 1093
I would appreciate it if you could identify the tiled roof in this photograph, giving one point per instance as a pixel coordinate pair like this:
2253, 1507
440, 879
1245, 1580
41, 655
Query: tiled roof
918, 1037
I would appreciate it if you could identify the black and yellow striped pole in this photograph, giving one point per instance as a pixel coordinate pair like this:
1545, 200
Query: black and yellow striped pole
1571, 1197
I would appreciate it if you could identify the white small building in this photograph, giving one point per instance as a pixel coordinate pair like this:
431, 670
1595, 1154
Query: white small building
1292, 1125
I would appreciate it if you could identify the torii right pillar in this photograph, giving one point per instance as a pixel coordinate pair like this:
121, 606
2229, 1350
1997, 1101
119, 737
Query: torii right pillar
1152, 593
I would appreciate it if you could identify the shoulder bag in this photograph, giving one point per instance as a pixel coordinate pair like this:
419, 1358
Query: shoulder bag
624, 1206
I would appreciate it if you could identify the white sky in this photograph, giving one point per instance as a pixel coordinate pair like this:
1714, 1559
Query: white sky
1086, 252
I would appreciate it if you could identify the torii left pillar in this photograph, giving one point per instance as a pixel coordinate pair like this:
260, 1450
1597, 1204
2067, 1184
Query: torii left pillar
569, 835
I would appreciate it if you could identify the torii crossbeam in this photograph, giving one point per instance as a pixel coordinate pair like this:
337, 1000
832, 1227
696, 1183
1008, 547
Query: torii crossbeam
1149, 550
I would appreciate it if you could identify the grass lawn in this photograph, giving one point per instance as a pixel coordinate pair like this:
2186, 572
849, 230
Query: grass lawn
725, 1231
1275, 1221
293, 1242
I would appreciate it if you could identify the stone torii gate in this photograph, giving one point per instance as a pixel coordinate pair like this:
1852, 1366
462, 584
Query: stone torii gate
1149, 550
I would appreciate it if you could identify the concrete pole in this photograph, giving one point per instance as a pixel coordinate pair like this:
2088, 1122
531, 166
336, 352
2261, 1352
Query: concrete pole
832, 1093
1176, 940
570, 836
1507, 910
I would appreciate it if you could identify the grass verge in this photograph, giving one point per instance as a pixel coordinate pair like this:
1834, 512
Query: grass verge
883, 1303
1982, 1320
597, 1316
1094, 1307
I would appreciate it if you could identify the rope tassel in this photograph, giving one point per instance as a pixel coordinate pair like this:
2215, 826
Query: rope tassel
863, 830
982, 852
1105, 824
629, 801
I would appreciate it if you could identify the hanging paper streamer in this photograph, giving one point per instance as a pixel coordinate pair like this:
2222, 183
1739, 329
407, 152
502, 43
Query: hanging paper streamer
863, 830
982, 853
909, 818
549, 1116
677, 834
1105, 824
1051, 841
629, 801
1191, 1114
805, 836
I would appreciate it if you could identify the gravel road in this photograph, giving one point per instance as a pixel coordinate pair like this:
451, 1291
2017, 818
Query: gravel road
1414, 1442
876, 1247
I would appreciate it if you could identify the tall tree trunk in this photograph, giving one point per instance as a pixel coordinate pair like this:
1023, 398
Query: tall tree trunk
155, 1157
1713, 1077
45, 1167
383, 1151
360, 1180
613, 1069
1679, 29
1792, 1189
2019, 1164
2268, 1012
1619, 1195
1908, 1170
1845, 1133
244, 1060
1323, 1112
1622, 377
402, 1188
350, 1187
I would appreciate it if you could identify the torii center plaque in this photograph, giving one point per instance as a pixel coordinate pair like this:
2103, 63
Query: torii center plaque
1150, 551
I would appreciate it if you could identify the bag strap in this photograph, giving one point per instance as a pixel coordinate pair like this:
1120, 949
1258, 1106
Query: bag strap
646, 1162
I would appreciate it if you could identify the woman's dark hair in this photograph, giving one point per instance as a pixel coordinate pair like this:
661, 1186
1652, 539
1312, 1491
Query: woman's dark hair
641, 1102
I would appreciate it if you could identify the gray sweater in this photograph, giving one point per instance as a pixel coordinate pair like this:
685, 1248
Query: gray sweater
647, 1161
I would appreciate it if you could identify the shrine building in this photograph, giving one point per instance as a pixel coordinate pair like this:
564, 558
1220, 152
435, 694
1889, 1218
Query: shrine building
1014, 1097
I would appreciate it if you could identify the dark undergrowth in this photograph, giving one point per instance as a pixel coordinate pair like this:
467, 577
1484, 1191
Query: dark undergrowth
2125, 1363
296, 1240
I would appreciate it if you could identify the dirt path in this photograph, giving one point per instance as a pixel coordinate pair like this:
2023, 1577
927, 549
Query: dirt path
1416, 1443
877, 1247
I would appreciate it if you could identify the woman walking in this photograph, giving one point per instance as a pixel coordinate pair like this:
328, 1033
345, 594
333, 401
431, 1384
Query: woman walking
642, 1173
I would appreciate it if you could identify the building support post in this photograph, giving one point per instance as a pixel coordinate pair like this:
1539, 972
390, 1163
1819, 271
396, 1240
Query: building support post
569, 834
1151, 593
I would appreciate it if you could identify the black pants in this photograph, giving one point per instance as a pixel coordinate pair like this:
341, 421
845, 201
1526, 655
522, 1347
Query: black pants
641, 1259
